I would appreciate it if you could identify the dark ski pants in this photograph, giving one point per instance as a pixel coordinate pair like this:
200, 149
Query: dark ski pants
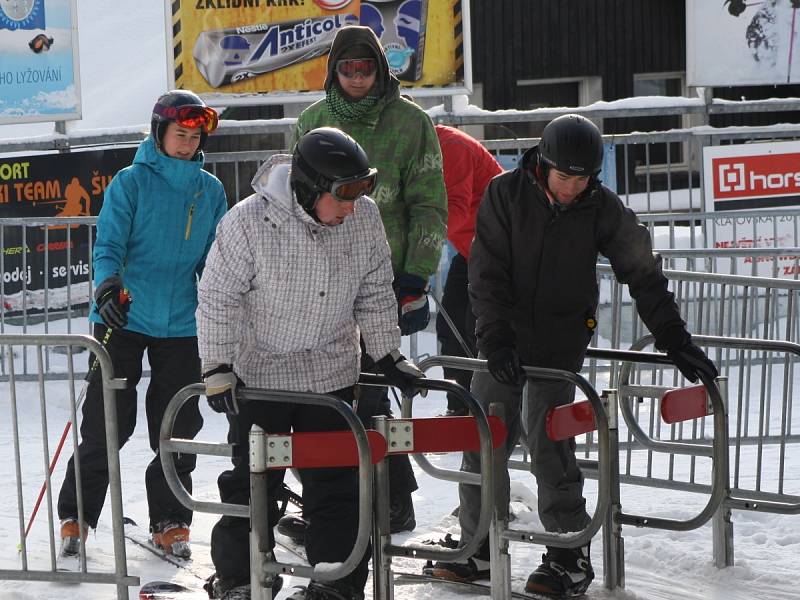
174, 364
330, 496
455, 301
562, 506
373, 401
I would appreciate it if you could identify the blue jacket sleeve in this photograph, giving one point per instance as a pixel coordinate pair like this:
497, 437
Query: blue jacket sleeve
114, 227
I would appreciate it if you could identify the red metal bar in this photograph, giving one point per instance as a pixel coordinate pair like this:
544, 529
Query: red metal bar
569, 420
683, 404
452, 434
330, 449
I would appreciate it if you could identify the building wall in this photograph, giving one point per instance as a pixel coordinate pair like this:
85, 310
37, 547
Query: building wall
519, 40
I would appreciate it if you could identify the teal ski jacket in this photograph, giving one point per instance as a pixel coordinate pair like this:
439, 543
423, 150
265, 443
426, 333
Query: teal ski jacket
155, 228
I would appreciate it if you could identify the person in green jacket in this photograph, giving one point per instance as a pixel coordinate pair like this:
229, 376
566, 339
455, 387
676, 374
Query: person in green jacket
363, 99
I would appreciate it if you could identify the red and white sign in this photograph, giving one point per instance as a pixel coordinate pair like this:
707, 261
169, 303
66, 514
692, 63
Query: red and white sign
753, 177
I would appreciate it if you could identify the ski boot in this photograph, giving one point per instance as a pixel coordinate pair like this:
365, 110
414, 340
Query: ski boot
172, 538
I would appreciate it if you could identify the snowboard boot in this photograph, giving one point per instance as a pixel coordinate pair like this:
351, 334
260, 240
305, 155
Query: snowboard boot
564, 573
401, 514
294, 527
172, 538
224, 590
469, 569
71, 537
325, 591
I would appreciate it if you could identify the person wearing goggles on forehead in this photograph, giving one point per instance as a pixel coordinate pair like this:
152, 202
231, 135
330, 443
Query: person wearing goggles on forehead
362, 98
154, 230
298, 271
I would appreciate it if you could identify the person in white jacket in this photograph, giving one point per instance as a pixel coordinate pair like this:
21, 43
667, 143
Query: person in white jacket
299, 271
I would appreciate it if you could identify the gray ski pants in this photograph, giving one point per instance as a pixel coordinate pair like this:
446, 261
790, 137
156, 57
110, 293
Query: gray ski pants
562, 506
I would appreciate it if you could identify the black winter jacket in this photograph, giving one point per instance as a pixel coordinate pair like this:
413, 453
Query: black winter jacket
532, 269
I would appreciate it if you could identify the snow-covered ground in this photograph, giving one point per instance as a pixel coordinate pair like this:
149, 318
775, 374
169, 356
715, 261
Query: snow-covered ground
659, 564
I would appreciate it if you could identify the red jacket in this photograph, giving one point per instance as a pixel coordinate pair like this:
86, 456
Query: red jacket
468, 169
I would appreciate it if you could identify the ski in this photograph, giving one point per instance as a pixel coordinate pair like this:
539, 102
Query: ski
165, 590
70, 563
138, 536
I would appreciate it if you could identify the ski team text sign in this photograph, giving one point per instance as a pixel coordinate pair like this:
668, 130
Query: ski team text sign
52, 185
750, 177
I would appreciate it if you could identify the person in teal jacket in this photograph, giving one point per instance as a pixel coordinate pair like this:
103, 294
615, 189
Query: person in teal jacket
155, 228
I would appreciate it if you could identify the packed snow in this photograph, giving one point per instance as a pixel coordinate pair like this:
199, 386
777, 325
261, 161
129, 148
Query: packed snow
123, 68
659, 564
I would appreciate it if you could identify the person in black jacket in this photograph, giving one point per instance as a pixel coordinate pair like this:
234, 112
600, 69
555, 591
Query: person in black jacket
533, 288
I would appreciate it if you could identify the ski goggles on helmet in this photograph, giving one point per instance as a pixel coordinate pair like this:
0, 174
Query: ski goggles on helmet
349, 190
190, 116
350, 67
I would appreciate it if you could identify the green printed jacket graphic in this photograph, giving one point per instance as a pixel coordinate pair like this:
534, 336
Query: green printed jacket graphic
400, 141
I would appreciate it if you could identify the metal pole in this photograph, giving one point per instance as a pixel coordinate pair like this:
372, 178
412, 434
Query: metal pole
499, 558
721, 524
382, 579
259, 520
613, 543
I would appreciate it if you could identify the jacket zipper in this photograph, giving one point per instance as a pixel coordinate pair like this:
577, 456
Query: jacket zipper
189, 223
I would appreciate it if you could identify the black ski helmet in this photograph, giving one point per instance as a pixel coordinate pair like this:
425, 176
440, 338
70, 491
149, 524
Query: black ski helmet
174, 98
322, 158
573, 145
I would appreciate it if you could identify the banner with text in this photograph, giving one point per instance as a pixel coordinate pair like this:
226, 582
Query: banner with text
39, 73
55, 185
280, 47
751, 177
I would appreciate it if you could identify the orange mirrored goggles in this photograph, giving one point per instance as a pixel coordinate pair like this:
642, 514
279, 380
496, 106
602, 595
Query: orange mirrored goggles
349, 190
350, 67
190, 116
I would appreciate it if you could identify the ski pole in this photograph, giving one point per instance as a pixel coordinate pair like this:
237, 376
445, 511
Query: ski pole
124, 298
452, 325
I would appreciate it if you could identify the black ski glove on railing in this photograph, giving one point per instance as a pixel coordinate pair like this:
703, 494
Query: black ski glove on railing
687, 356
401, 373
504, 365
414, 313
112, 302
691, 361
221, 384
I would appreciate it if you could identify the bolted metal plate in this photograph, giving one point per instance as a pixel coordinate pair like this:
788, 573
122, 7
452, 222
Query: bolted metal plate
279, 451
400, 435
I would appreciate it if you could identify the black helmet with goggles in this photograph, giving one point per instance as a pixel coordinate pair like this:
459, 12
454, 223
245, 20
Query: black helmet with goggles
328, 160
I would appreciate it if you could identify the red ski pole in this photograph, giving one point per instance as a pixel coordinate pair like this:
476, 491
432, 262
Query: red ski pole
124, 298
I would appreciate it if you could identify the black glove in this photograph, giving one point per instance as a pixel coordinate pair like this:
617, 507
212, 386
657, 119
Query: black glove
691, 361
504, 365
412, 303
401, 373
221, 384
112, 302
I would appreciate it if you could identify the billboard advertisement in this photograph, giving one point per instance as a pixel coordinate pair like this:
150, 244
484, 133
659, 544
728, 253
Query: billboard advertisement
39, 74
261, 51
53, 185
739, 42
749, 177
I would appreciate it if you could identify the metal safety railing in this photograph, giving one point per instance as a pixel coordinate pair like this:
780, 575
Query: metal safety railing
608, 514
269, 451
46, 284
24, 487
750, 429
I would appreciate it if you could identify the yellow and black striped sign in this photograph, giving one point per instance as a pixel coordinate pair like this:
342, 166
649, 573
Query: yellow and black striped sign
265, 46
